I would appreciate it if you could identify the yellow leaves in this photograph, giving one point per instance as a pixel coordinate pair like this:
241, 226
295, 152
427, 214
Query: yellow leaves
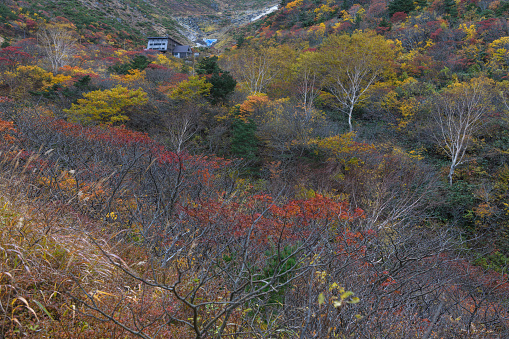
323, 9
408, 108
293, 4
362, 50
345, 297
31, 78
339, 145
190, 89
318, 30
106, 106
321, 276
60, 78
469, 30
74, 71
122, 55
321, 29
483, 210
460, 88
169, 62
112, 216
304, 193
498, 50
336, 26
321, 299
345, 16
32, 74
413, 154
499, 55
134, 76
258, 65
360, 13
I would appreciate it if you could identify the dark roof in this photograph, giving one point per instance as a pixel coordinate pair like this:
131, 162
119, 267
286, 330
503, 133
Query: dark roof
182, 49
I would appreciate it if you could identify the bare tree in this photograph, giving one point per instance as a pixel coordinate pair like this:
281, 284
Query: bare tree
458, 114
205, 257
354, 63
58, 42
181, 122
257, 66
307, 72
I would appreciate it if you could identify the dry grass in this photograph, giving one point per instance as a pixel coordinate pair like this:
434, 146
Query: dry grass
48, 256
61, 273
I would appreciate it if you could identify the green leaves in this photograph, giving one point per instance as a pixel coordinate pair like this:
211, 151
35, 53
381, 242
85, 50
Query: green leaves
321, 299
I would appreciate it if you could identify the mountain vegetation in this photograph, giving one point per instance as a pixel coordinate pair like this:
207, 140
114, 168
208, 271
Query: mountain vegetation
339, 170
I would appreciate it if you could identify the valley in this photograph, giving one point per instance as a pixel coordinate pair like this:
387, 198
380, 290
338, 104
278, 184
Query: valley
199, 27
326, 169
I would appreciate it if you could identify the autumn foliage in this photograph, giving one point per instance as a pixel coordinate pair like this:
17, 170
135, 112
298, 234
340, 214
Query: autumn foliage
340, 171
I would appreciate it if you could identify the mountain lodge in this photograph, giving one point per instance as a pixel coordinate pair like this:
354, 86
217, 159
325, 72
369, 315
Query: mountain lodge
168, 44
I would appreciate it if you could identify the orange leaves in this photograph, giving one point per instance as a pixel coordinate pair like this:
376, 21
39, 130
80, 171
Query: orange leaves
315, 208
269, 218
252, 104
6, 129
76, 71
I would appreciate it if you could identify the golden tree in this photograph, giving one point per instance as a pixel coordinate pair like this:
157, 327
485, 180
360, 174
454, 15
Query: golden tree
353, 63
106, 106
257, 66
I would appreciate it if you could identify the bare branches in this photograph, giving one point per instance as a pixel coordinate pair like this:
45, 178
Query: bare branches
59, 43
352, 65
458, 114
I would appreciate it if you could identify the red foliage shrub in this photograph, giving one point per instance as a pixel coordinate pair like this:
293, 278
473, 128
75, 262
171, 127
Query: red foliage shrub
399, 17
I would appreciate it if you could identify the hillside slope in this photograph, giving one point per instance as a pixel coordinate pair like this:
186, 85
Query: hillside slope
123, 23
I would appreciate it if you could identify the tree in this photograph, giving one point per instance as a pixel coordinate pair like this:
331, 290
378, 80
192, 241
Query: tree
30, 79
458, 112
181, 122
58, 42
106, 106
307, 73
207, 65
244, 143
405, 6
256, 66
353, 63
139, 62
223, 84
190, 90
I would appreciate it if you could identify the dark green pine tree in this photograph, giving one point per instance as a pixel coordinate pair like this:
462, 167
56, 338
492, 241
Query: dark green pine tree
450, 8
207, 65
243, 139
222, 85
222, 82
139, 62
422, 3
401, 6
385, 23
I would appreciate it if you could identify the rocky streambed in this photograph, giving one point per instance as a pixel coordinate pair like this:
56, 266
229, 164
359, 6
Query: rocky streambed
198, 28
